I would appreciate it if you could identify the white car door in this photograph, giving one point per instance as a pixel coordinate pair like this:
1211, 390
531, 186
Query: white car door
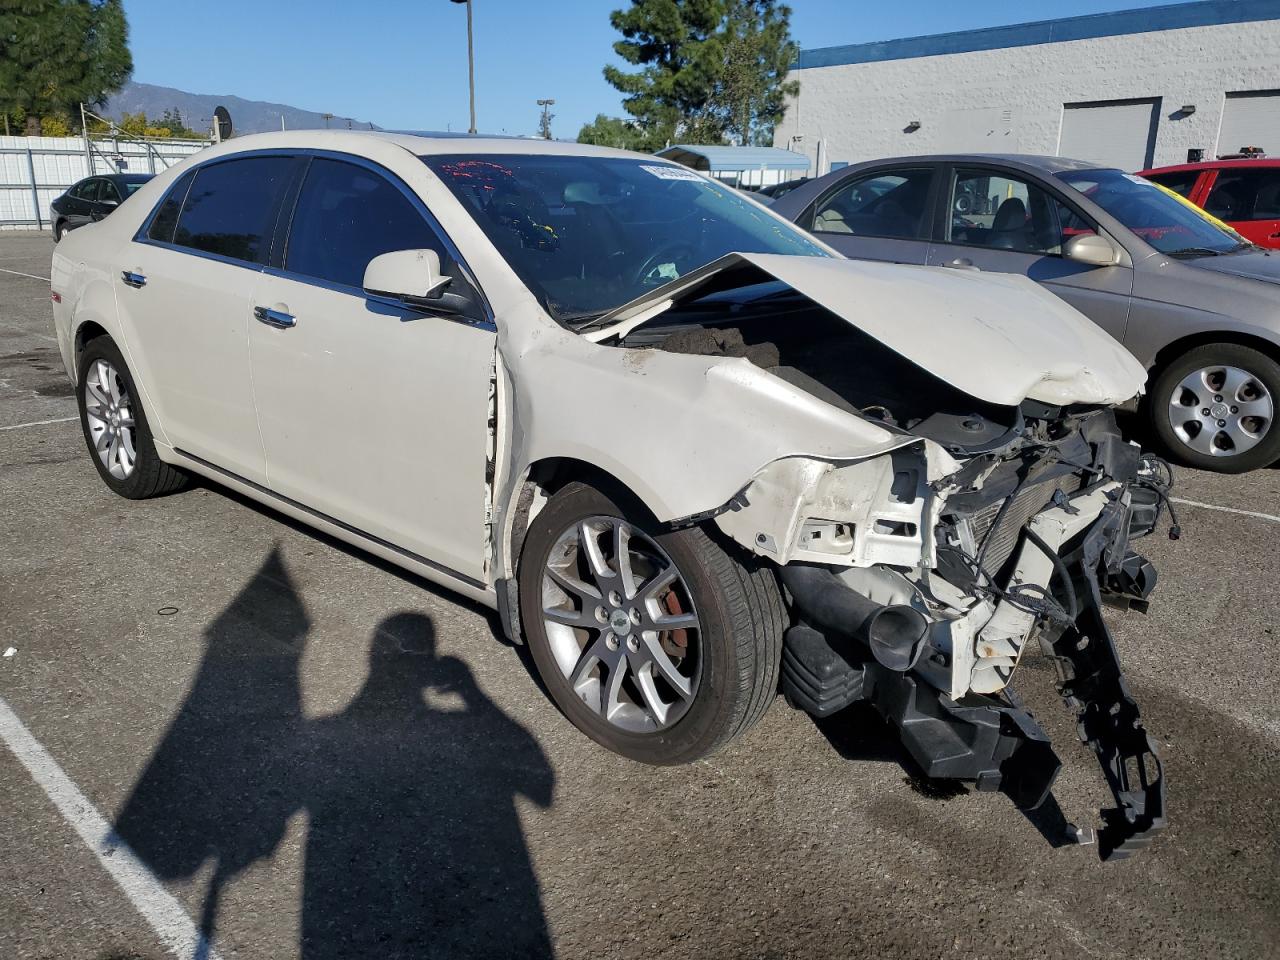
372, 413
183, 294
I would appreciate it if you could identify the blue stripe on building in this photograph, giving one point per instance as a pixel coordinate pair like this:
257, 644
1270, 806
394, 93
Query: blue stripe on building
1206, 13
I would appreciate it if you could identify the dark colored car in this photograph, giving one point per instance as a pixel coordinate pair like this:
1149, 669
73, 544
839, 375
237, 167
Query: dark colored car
1243, 193
1198, 305
92, 199
776, 190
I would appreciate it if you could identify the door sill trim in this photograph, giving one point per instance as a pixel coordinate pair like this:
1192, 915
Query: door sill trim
325, 518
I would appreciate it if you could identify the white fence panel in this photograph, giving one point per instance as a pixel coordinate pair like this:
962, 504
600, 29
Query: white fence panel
36, 170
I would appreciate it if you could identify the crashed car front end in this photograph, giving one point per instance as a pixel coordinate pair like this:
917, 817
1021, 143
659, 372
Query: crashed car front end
1002, 513
918, 579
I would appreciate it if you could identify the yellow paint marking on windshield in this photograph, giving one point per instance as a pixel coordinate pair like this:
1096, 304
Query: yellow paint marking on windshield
1205, 214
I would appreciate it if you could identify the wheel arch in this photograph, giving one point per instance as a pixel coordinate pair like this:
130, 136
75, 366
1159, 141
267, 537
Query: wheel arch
536, 484
1170, 352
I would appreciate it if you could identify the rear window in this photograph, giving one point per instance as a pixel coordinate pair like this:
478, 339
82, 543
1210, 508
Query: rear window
231, 207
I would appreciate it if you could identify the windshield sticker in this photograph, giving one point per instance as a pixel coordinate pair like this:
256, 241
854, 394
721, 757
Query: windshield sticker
671, 173
1134, 178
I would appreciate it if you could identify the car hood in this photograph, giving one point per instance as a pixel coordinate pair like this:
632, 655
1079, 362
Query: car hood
997, 337
1256, 265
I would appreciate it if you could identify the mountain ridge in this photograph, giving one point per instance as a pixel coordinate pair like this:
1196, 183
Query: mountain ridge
247, 116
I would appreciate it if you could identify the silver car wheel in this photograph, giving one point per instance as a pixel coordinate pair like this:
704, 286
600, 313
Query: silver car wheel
108, 411
1221, 411
621, 624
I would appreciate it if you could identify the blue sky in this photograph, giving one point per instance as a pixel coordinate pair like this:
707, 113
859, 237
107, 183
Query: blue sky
402, 63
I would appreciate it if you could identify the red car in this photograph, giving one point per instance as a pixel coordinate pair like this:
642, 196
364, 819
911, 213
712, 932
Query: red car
1243, 192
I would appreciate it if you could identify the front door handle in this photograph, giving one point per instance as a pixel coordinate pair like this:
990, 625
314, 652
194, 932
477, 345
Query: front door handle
275, 318
132, 279
959, 262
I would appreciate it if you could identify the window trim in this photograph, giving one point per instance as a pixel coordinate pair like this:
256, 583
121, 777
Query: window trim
289, 201
927, 228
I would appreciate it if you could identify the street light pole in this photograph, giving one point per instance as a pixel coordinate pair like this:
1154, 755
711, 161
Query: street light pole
471, 66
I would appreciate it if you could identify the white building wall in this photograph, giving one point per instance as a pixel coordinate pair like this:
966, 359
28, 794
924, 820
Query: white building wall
1011, 100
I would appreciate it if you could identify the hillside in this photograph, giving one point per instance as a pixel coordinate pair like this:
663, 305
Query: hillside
248, 116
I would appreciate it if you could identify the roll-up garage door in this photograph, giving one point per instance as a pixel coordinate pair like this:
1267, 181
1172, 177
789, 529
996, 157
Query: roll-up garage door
1117, 133
1251, 120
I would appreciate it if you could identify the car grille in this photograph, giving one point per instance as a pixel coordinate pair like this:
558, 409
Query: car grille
1026, 504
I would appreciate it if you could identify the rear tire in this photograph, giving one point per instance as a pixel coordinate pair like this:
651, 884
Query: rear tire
115, 426
1214, 408
729, 659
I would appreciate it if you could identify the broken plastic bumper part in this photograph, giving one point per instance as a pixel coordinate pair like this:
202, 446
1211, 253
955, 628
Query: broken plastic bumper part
846, 648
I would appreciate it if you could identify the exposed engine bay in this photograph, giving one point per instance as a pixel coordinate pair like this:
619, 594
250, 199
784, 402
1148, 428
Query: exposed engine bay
918, 577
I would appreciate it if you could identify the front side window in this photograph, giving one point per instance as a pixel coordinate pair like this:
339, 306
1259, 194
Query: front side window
886, 204
1244, 195
231, 207
1003, 212
88, 190
108, 191
1171, 225
346, 215
588, 234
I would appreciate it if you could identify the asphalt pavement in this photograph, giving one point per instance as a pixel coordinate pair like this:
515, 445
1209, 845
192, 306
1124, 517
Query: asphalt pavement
215, 719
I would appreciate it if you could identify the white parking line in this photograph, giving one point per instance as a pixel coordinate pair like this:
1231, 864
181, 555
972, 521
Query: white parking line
19, 273
1214, 506
158, 907
38, 423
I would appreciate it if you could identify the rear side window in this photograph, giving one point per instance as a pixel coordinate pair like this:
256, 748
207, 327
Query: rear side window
1243, 195
166, 217
231, 207
346, 215
1181, 183
891, 203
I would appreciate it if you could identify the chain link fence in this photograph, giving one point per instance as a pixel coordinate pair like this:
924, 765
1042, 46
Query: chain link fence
36, 170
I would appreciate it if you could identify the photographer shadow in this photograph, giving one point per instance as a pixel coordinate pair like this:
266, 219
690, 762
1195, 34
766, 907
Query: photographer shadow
414, 847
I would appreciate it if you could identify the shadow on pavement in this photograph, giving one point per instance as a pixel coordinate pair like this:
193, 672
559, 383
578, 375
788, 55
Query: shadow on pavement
415, 847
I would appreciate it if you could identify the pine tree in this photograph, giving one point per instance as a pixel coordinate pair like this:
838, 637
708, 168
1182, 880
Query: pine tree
57, 54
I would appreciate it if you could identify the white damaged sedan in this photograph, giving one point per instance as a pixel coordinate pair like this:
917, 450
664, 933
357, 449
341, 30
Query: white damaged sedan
689, 454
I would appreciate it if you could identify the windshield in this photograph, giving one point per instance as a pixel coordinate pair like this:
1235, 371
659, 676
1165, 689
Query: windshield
588, 234
1168, 224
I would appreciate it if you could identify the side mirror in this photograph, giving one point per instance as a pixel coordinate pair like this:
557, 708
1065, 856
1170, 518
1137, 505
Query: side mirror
110, 203
410, 275
1091, 249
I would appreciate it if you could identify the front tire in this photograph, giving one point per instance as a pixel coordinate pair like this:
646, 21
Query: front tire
115, 426
1214, 408
663, 656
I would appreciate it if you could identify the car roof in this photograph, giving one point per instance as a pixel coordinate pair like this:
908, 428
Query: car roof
126, 177
1025, 161
426, 143
1216, 165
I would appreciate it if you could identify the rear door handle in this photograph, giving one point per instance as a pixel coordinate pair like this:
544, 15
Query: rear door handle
135, 280
275, 318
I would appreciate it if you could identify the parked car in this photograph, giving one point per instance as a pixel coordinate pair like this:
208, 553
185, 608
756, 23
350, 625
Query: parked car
553, 377
1195, 303
1243, 193
92, 199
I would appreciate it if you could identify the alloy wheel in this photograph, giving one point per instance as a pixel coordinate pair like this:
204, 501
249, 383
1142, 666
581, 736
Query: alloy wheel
108, 410
621, 624
1221, 411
